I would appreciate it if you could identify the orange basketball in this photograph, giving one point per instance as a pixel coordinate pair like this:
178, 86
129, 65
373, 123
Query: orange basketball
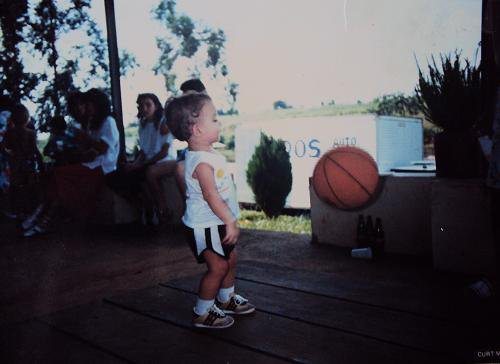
346, 177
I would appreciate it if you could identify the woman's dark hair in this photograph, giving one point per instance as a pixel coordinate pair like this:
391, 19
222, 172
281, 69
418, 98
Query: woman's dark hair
101, 104
193, 84
6, 103
158, 112
57, 123
20, 114
74, 99
181, 113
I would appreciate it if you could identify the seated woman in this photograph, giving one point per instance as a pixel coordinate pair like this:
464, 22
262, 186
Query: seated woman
25, 161
74, 187
61, 147
156, 157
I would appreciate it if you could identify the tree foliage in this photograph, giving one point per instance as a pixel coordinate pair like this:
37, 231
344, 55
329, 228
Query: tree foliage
269, 174
14, 81
395, 105
42, 32
232, 90
186, 40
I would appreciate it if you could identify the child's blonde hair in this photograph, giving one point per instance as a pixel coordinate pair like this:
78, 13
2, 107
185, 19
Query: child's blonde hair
181, 113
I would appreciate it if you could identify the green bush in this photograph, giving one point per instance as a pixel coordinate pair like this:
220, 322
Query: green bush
269, 174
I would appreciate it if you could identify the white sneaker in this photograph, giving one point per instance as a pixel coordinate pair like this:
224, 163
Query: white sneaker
30, 220
35, 230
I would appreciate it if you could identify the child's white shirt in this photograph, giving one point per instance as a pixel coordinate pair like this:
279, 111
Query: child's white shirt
198, 213
108, 132
151, 141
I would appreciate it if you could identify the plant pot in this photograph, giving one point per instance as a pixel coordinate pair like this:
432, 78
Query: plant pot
457, 155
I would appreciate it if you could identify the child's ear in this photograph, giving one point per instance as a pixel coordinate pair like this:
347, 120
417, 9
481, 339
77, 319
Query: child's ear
196, 131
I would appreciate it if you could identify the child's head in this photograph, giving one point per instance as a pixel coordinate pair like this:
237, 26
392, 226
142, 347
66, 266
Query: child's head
193, 84
20, 115
97, 107
192, 116
149, 108
76, 106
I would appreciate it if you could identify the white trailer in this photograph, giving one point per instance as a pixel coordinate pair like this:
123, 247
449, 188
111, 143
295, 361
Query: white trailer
391, 141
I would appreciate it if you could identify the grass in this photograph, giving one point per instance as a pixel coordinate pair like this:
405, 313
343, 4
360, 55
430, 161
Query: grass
327, 110
251, 219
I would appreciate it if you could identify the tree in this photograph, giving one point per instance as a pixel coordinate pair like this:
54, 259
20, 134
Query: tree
396, 104
269, 175
232, 90
41, 32
188, 41
14, 81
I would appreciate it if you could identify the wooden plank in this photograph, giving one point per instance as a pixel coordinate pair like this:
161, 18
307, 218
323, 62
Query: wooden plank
437, 300
142, 339
36, 342
385, 325
272, 334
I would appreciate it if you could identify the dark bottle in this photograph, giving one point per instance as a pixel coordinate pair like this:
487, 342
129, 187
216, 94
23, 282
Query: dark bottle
379, 243
361, 232
370, 232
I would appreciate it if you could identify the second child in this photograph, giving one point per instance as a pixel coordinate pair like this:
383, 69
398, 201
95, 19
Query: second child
25, 160
157, 155
211, 210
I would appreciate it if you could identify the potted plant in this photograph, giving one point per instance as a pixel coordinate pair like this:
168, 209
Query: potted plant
450, 98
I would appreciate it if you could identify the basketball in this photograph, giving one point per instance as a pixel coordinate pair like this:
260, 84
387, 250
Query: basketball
346, 177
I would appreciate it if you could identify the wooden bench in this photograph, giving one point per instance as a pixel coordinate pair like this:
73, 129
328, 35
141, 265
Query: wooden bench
112, 208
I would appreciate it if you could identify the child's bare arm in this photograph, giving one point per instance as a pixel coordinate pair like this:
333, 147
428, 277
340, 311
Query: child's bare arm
205, 175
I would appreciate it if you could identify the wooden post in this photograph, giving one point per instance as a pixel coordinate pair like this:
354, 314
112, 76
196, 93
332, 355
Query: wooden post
489, 70
114, 70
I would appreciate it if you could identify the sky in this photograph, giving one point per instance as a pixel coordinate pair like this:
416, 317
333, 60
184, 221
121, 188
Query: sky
305, 52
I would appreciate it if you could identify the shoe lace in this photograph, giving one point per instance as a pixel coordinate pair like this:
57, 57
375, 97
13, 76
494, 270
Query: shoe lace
239, 299
217, 311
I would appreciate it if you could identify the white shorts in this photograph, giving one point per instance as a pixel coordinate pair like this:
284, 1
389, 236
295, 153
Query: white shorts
201, 239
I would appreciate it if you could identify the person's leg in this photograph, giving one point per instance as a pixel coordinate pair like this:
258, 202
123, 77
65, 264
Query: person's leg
207, 314
226, 290
72, 187
153, 174
46, 179
217, 270
230, 277
227, 299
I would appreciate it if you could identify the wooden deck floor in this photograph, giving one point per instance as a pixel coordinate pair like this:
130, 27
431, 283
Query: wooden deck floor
324, 308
